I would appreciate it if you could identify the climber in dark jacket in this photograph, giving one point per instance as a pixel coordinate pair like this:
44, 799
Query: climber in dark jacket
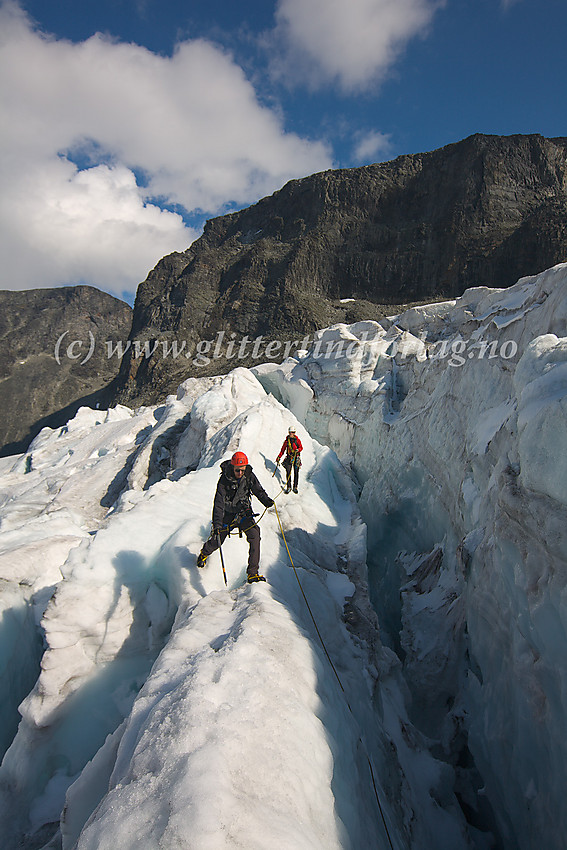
232, 510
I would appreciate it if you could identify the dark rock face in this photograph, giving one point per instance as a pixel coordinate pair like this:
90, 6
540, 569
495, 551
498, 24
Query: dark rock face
484, 211
339, 246
35, 389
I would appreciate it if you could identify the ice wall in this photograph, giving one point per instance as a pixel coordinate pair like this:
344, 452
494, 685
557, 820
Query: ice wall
453, 417
452, 420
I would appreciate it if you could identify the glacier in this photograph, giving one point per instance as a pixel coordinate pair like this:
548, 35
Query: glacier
399, 682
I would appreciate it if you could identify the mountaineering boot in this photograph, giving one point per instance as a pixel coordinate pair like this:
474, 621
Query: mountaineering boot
201, 560
295, 489
287, 489
255, 577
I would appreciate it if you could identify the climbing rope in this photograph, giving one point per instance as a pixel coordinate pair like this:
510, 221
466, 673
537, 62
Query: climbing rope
330, 660
236, 527
334, 669
293, 457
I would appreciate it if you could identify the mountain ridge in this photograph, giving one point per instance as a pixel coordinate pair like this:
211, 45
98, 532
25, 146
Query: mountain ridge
337, 246
483, 211
38, 388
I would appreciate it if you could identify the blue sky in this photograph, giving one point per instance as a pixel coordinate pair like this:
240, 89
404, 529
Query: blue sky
132, 121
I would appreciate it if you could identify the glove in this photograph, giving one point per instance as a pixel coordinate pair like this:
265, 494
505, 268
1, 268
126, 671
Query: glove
216, 530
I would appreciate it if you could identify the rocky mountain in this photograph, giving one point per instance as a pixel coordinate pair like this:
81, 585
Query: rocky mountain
339, 246
53, 357
347, 245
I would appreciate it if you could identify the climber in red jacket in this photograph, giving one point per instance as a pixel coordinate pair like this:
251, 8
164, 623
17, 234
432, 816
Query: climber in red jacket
293, 448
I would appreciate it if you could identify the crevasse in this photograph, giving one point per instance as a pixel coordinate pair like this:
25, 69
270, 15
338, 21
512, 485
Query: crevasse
170, 711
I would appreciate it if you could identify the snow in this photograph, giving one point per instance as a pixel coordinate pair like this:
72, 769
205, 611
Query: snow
160, 690
412, 626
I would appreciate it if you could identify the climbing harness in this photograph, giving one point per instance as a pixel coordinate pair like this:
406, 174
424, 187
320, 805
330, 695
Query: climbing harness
292, 450
233, 526
294, 461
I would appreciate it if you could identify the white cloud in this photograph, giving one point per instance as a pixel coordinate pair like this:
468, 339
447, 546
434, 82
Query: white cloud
371, 146
192, 123
65, 226
351, 44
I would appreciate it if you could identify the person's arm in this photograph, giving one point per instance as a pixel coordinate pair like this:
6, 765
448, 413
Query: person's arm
218, 507
259, 492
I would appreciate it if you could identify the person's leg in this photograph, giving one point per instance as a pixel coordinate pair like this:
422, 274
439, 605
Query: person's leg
295, 476
287, 466
212, 544
252, 533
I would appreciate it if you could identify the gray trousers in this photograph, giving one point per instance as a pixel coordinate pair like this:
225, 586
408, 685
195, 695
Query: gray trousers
248, 527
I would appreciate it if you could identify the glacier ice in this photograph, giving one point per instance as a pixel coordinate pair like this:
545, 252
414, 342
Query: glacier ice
460, 452
433, 485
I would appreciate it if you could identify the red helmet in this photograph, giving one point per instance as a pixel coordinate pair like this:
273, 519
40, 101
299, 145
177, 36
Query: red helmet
239, 459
